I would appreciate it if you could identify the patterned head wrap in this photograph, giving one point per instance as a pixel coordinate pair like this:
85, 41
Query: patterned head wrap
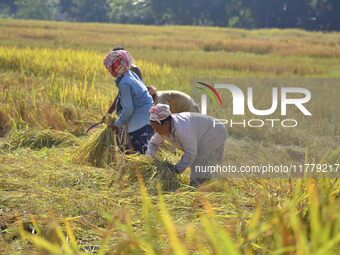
118, 62
159, 112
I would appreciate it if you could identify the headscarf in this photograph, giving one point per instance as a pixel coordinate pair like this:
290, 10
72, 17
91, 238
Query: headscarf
118, 62
159, 112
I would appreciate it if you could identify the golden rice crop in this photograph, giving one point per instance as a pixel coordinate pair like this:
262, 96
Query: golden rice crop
153, 170
37, 139
100, 149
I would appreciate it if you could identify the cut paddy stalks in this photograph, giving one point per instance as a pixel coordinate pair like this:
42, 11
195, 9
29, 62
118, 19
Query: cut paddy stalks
100, 149
153, 170
37, 139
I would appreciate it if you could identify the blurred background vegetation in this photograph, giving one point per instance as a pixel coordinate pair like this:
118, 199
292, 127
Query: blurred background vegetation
305, 14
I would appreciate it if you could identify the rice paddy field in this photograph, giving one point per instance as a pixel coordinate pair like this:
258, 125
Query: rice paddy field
53, 86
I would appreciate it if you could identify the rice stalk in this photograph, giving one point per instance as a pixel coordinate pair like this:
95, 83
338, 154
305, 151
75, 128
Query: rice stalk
153, 170
100, 149
37, 139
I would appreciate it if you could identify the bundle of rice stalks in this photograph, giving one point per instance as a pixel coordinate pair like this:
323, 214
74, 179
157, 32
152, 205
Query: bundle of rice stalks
100, 149
37, 139
167, 175
153, 170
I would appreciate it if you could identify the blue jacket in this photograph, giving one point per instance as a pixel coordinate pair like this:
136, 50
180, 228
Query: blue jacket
135, 101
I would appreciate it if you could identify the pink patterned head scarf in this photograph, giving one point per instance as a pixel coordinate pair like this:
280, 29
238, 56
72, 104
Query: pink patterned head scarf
118, 62
159, 112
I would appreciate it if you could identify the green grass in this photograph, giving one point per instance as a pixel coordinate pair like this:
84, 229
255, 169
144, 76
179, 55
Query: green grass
53, 86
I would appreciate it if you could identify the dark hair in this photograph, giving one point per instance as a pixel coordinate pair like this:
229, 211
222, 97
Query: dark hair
118, 48
168, 119
153, 96
162, 122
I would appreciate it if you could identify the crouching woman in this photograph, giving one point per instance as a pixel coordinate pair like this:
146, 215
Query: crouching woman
195, 134
134, 98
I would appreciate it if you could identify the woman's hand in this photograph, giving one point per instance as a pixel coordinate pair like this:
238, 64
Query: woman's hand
113, 127
104, 117
172, 167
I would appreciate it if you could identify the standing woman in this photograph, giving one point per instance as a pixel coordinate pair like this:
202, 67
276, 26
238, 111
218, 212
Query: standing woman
134, 99
115, 106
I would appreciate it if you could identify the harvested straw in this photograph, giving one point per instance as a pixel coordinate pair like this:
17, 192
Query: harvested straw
153, 170
37, 139
100, 149
167, 176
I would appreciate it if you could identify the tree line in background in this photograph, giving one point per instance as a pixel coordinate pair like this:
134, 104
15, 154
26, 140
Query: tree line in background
306, 14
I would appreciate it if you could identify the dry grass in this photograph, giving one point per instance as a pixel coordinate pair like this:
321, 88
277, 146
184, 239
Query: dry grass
154, 171
289, 52
37, 139
103, 36
100, 149
244, 217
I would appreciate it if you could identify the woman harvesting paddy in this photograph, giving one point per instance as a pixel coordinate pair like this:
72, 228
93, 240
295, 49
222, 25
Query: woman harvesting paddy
195, 134
134, 99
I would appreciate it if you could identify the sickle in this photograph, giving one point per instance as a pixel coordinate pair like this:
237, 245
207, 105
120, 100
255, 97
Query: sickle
93, 126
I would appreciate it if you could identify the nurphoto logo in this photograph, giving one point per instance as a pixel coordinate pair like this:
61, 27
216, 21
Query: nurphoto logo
281, 99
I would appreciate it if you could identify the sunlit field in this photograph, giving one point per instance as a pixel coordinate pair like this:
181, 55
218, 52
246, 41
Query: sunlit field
53, 86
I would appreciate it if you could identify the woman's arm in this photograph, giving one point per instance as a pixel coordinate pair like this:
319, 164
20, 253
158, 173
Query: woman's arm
111, 109
153, 145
